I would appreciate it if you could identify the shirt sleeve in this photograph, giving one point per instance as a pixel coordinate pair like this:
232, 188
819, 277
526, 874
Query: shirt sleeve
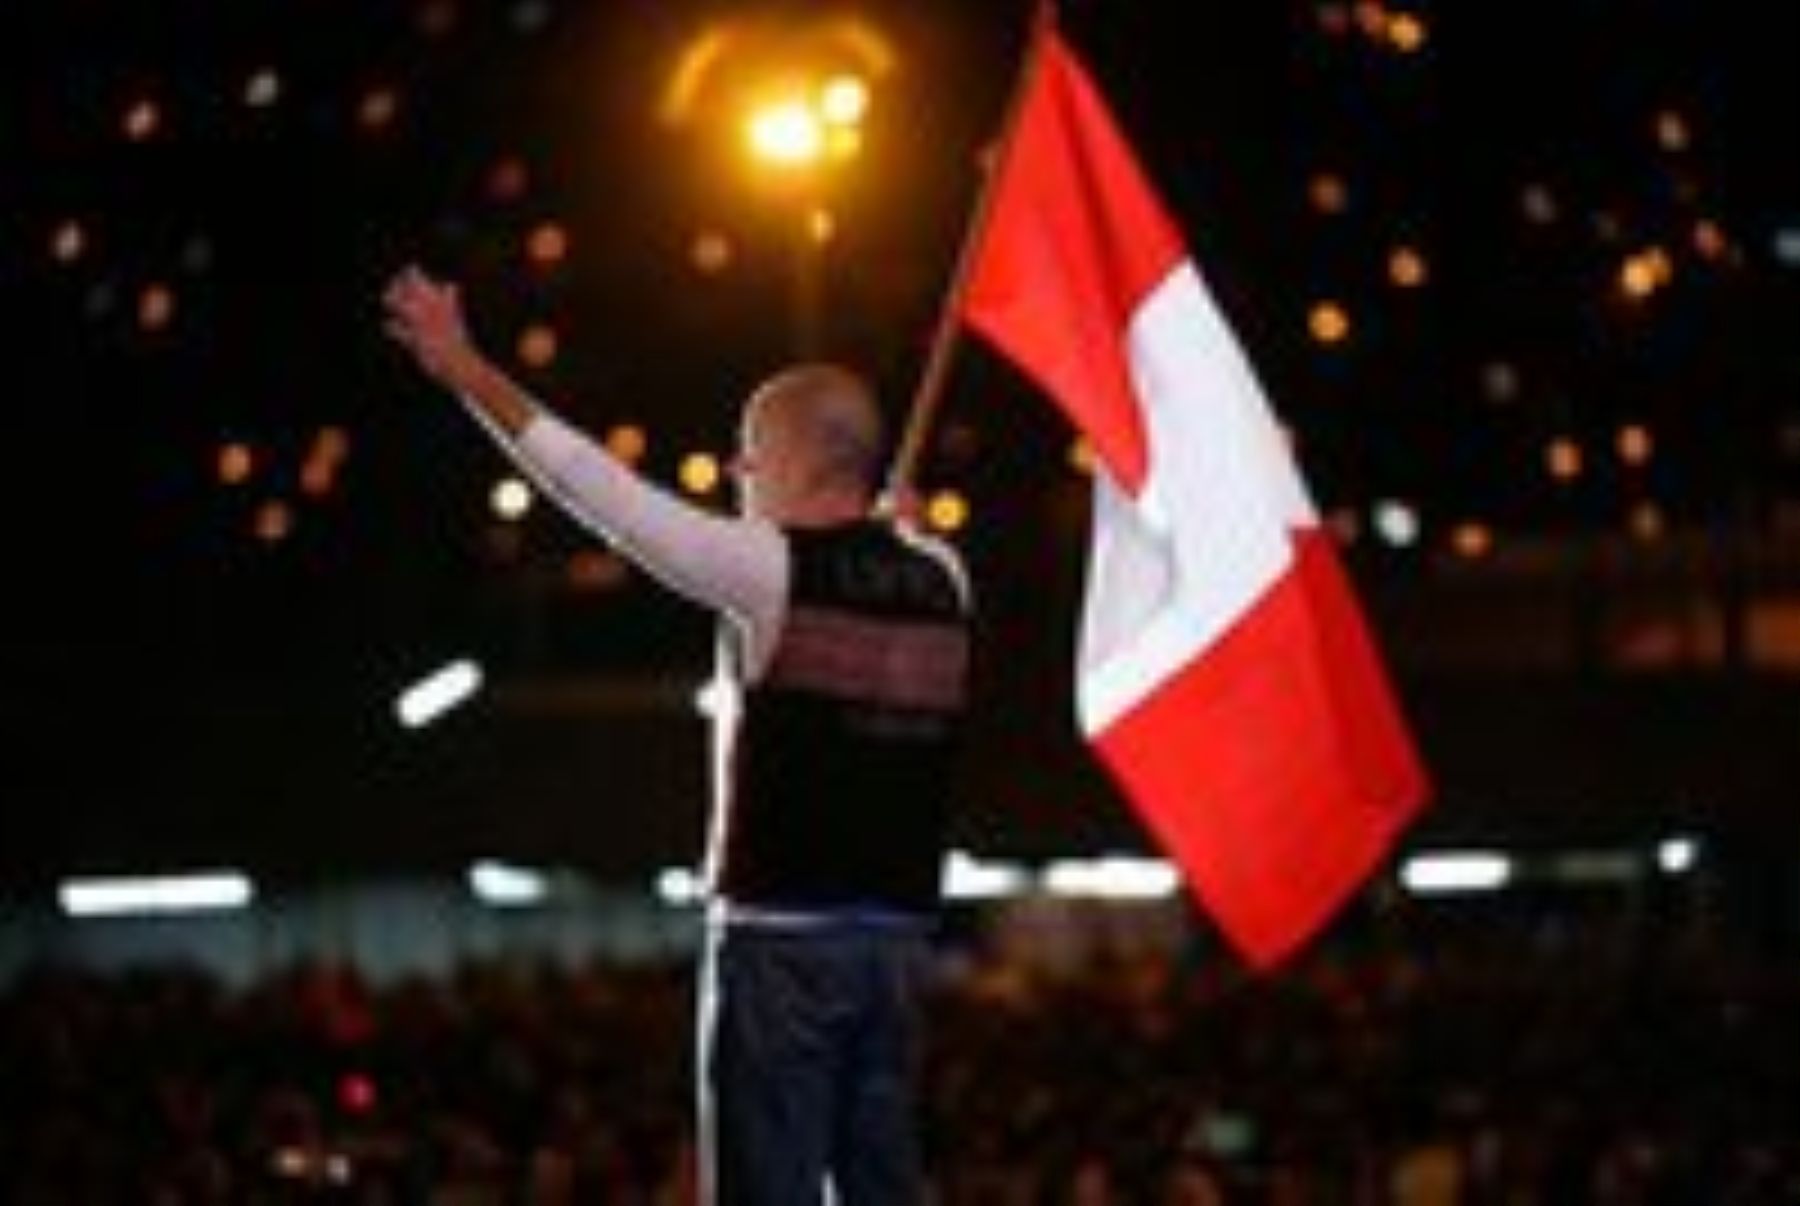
736, 565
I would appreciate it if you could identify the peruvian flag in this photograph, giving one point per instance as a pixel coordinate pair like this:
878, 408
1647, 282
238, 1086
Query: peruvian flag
1225, 674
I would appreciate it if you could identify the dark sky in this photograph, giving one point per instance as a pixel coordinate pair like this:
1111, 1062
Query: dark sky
177, 688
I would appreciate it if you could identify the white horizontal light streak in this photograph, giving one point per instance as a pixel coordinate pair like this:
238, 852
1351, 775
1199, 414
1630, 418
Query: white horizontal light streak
1455, 871
505, 885
1111, 877
149, 895
968, 877
437, 693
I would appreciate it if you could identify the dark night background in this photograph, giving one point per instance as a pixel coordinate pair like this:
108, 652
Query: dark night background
1610, 656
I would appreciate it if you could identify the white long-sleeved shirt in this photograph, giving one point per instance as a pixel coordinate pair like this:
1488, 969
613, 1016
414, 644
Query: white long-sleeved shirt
736, 565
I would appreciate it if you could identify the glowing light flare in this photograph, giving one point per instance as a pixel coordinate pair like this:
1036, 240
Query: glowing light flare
141, 121
1396, 522
1563, 459
510, 499
679, 887
1455, 872
151, 895
1407, 267
1644, 272
1709, 240
155, 307
1328, 322
700, 473
1677, 855
324, 457
68, 241
273, 521
627, 442
262, 88
969, 877
537, 345
710, 252
1472, 539
947, 511
1539, 205
1081, 455
1672, 131
1111, 877
1327, 193
719, 61
548, 244
1407, 32
843, 100
1635, 444
377, 109
786, 133
235, 462
1646, 523
505, 885
437, 693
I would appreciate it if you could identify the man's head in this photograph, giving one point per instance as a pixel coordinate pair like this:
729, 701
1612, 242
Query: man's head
810, 446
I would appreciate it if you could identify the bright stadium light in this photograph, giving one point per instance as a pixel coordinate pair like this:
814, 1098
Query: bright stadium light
503, 885
679, 887
149, 895
437, 693
1112, 877
969, 878
1455, 871
1677, 854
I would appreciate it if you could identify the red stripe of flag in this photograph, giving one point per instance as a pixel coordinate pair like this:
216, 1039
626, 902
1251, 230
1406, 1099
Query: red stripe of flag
1240, 703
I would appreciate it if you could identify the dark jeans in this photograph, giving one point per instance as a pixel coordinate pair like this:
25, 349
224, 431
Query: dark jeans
808, 1045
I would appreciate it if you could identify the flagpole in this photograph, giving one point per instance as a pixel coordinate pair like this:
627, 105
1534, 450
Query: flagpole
929, 394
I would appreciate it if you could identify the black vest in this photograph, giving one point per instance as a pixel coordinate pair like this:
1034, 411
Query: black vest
841, 781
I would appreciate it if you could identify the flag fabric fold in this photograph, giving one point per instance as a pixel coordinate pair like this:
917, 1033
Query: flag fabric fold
1225, 674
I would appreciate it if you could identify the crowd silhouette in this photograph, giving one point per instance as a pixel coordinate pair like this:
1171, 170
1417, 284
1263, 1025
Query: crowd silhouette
1472, 1054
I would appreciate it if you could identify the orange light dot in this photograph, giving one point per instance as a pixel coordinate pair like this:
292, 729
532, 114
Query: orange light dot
710, 252
235, 463
1709, 239
1472, 539
156, 307
547, 244
1328, 193
1646, 521
378, 108
1562, 457
947, 511
1081, 455
537, 345
1672, 131
1406, 32
628, 442
1407, 267
700, 472
1328, 322
274, 521
1634, 444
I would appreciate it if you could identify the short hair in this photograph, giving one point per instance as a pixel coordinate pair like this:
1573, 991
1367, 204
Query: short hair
834, 412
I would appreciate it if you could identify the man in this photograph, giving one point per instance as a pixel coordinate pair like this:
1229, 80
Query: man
845, 648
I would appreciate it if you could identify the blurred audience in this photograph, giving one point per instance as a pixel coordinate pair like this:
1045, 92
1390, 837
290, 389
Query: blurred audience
1465, 1059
